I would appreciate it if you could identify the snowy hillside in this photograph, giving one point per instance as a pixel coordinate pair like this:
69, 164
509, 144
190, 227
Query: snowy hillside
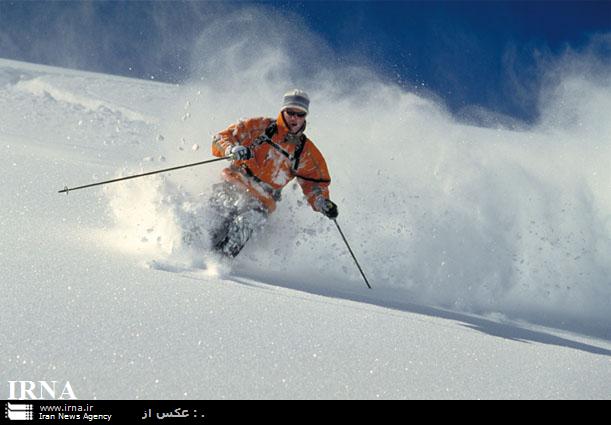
487, 248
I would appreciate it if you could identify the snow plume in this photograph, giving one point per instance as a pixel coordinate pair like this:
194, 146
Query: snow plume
484, 220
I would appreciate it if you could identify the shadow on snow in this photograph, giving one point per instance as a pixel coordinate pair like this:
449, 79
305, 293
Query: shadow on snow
391, 299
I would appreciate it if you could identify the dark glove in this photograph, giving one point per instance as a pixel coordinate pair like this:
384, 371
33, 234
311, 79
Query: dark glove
329, 208
239, 153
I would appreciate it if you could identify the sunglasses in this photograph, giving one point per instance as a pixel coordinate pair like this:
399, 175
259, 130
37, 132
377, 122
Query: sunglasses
296, 114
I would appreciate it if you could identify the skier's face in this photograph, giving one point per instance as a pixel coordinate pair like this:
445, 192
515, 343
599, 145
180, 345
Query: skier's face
294, 119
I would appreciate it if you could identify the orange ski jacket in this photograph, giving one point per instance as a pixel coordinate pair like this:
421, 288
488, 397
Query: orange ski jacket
276, 161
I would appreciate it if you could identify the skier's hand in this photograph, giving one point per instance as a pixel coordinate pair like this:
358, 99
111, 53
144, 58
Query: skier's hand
239, 153
329, 208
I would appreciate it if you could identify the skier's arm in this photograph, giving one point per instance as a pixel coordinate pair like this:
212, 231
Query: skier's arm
241, 133
313, 177
224, 140
314, 192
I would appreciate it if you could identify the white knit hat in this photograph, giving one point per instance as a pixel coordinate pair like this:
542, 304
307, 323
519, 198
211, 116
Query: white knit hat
297, 99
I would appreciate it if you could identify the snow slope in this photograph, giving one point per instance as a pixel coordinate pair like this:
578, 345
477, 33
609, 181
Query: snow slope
487, 249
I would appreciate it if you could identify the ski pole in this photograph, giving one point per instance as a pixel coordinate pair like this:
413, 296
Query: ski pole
352, 253
67, 189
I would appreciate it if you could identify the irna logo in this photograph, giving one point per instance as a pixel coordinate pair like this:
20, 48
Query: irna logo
40, 390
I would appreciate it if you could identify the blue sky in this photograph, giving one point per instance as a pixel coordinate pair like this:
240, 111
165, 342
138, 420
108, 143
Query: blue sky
463, 51
467, 53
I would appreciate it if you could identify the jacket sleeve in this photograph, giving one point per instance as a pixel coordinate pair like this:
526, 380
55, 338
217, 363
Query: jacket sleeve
313, 176
240, 133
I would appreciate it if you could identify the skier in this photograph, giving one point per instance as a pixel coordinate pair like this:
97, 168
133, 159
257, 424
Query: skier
266, 154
